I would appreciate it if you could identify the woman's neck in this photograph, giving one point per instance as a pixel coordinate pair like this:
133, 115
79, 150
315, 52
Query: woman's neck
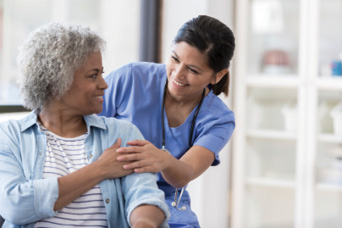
62, 123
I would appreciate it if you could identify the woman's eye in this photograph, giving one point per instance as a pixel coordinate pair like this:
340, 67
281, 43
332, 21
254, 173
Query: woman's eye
94, 75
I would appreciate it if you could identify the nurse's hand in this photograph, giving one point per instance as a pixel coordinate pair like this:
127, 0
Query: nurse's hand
143, 157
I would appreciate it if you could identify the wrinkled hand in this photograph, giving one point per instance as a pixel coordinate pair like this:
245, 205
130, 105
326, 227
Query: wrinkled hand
112, 167
143, 156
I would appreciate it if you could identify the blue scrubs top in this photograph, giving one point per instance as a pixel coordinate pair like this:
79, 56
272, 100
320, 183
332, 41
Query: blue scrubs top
135, 93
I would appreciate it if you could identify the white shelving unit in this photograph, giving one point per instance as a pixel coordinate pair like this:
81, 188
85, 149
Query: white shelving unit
287, 161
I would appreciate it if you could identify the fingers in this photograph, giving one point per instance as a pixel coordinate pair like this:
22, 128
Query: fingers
130, 149
142, 166
131, 157
117, 143
138, 142
140, 156
133, 165
144, 169
135, 146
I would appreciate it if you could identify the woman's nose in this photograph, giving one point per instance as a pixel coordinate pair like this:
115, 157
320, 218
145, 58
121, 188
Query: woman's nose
103, 84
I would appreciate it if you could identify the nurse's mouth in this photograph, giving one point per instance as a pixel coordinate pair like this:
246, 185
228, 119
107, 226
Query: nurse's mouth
178, 84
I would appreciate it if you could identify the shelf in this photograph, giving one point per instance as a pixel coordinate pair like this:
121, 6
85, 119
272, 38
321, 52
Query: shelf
271, 134
329, 187
282, 154
330, 138
329, 83
278, 81
292, 81
268, 182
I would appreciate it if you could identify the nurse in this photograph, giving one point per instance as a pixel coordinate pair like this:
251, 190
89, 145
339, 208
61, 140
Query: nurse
176, 108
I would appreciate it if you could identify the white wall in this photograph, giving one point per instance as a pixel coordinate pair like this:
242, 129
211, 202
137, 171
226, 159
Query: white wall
210, 192
116, 21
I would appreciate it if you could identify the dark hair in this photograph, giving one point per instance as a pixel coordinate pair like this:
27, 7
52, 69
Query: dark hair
213, 38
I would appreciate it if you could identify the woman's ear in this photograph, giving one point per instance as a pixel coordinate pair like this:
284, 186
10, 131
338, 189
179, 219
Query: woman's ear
218, 76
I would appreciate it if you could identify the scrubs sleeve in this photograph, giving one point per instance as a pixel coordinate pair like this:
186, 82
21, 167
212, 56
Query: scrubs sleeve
119, 86
214, 132
22, 199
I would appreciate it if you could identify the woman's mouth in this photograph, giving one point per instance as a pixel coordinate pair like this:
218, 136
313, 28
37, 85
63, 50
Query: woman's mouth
99, 98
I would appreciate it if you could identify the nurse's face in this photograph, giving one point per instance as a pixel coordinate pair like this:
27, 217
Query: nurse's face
188, 71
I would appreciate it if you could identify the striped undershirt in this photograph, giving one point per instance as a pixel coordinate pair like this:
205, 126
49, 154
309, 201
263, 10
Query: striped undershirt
64, 156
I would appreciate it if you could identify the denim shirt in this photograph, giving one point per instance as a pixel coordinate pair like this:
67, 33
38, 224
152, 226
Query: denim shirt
26, 198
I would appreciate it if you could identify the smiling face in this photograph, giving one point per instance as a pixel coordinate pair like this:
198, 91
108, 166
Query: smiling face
188, 71
85, 95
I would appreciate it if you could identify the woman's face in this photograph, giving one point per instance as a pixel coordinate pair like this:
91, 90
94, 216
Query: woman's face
188, 71
85, 95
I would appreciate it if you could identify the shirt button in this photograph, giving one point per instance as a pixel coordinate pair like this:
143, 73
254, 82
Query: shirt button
90, 156
107, 201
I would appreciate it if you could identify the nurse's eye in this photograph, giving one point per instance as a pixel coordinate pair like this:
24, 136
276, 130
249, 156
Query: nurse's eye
175, 58
193, 71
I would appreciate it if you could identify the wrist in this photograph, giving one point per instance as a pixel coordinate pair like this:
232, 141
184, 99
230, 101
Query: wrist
164, 149
98, 168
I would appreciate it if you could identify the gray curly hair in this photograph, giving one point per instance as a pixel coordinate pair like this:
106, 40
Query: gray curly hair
48, 59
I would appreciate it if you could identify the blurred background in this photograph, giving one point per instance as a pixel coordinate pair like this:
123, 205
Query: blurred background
283, 166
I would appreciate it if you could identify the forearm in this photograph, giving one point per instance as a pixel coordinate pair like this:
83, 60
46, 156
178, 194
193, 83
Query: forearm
147, 216
177, 174
191, 165
146, 158
77, 183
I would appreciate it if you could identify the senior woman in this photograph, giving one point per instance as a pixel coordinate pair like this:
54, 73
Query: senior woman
58, 165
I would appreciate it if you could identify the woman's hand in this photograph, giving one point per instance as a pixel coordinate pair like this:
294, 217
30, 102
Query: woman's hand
111, 165
77, 183
143, 157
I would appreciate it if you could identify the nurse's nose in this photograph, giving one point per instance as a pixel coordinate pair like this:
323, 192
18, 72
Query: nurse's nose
180, 71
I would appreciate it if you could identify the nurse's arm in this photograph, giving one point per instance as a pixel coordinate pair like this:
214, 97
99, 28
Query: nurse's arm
145, 158
190, 166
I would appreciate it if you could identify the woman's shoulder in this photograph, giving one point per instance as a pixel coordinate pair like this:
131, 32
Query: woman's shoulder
114, 126
106, 122
21, 123
16, 129
110, 121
